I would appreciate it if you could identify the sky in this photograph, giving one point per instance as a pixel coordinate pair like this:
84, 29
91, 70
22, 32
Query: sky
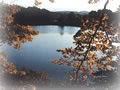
68, 5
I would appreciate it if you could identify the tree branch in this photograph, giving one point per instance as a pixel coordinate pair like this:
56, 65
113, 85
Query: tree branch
76, 76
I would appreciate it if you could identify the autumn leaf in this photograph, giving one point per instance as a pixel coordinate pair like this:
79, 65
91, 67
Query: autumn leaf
90, 71
37, 3
87, 21
108, 67
83, 66
95, 55
52, 1
55, 61
90, 55
79, 58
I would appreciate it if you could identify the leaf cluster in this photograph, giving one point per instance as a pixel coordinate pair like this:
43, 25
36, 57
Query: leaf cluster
13, 34
93, 49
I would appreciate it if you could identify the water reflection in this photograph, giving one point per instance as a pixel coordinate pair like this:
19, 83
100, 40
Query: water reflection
56, 29
61, 30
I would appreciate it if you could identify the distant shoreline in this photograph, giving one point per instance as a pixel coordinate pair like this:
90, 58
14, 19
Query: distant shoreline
35, 16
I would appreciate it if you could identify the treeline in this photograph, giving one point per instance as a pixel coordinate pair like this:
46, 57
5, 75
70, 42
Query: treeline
36, 16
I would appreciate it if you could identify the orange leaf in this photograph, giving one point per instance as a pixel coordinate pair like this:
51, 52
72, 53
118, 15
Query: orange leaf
79, 58
108, 67
86, 21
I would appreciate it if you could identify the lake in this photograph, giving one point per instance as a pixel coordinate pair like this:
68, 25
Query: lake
38, 54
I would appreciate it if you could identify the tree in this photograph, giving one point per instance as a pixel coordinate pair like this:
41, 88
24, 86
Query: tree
13, 34
96, 35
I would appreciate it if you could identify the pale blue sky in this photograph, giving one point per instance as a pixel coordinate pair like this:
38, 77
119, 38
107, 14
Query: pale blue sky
69, 5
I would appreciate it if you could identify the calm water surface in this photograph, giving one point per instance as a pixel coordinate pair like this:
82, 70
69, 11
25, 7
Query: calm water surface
37, 55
